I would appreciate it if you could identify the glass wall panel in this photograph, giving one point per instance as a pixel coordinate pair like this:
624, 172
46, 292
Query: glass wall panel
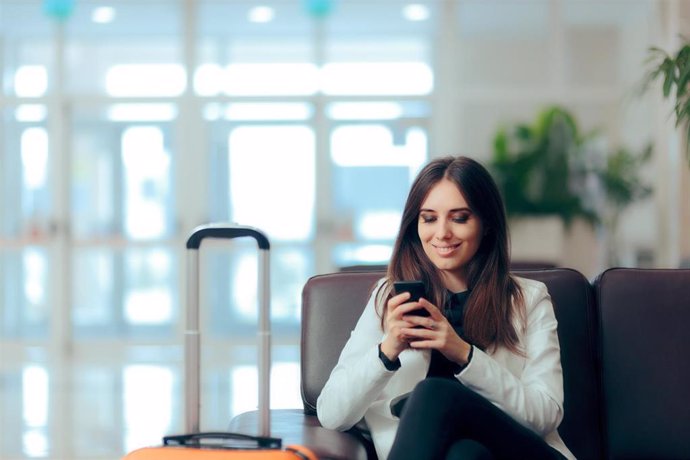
26, 48
231, 386
97, 410
272, 179
10, 416
229, 288
147, 193
26, 201
352, 78
122, 172
125, 294
147, 405
249, 49
366, 156
35, 400
26, 299
371, 27
96, 188
139, 34
26, 399
150, 294
96, 278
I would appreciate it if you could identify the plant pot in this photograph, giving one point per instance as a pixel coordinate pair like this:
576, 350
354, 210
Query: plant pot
537, 240
540, 241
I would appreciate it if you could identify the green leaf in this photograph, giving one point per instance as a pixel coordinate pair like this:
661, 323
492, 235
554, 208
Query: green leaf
501, 146
675, 72
669, 81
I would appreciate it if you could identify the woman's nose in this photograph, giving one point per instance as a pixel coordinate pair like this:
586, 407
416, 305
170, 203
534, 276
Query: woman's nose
443, 230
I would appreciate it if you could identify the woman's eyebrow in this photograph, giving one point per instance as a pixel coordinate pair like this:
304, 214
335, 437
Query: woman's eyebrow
464, 209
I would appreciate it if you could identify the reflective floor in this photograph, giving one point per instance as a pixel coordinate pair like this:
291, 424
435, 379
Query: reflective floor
111, 399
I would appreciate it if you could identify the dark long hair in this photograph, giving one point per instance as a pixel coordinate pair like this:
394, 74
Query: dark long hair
495, 297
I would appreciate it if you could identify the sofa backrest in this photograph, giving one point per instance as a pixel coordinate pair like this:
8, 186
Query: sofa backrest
332, 303
645, 362
331, 306
573, 301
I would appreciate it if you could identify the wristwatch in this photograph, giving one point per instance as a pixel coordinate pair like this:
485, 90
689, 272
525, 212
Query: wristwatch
460, 367
390, 365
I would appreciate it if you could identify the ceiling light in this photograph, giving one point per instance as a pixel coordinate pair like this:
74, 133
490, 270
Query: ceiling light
261, 14
103, 14
416, 12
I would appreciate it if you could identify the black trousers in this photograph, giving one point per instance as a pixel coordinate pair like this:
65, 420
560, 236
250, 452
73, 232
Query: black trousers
444, 420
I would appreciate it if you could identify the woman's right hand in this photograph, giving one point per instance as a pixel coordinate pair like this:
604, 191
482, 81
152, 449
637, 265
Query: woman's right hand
396, 341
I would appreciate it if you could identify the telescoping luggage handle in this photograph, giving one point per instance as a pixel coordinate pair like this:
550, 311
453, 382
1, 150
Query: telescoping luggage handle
192, 333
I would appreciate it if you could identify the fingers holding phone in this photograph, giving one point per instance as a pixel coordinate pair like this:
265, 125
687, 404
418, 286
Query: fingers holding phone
417, 291
395, 323
420, 316
420, 324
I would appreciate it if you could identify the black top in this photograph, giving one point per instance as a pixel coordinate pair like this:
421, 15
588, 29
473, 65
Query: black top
455, 311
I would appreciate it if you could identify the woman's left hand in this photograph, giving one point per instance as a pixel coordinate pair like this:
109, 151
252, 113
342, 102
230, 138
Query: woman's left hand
436, 333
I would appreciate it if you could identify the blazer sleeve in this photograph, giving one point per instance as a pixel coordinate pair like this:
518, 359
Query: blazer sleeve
533, 397
358, 378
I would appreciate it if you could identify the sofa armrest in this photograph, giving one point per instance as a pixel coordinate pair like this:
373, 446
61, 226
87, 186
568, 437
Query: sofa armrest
294, 427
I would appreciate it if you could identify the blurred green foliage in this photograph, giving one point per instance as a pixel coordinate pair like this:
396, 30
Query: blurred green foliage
620, 178
674, 70
533, 166
549, 167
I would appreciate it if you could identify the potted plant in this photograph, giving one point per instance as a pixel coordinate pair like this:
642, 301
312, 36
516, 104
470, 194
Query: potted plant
538, 165
674, 70
621, 184
550, 175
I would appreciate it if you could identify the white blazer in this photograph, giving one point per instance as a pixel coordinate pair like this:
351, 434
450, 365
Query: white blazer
528, 388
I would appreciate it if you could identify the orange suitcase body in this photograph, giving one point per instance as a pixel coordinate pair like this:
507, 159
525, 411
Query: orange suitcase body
198, 445
191, 447
183, 453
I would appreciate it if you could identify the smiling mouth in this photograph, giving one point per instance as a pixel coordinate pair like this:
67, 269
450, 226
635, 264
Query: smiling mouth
446, 249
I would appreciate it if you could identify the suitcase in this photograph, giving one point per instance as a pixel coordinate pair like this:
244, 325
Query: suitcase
219, 445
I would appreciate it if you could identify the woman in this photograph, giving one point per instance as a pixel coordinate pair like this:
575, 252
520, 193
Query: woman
480, 376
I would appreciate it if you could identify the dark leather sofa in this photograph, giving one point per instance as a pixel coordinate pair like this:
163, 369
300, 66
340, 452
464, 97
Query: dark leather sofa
625, 347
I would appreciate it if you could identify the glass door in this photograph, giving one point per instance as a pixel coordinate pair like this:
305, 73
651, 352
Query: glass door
375, 153
262, 174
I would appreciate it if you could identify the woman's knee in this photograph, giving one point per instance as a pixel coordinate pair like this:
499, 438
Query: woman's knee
433, 398
436, 387
443, 389
449, 397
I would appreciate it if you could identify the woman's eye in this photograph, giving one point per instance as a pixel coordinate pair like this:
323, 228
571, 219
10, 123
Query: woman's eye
461, 219
427, 219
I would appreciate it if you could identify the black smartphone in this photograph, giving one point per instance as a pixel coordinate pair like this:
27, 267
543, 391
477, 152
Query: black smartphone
416, 290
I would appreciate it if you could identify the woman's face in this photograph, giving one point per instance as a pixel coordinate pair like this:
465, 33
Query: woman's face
450, 232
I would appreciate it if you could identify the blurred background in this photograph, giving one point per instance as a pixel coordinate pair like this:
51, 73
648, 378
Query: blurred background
125, 124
